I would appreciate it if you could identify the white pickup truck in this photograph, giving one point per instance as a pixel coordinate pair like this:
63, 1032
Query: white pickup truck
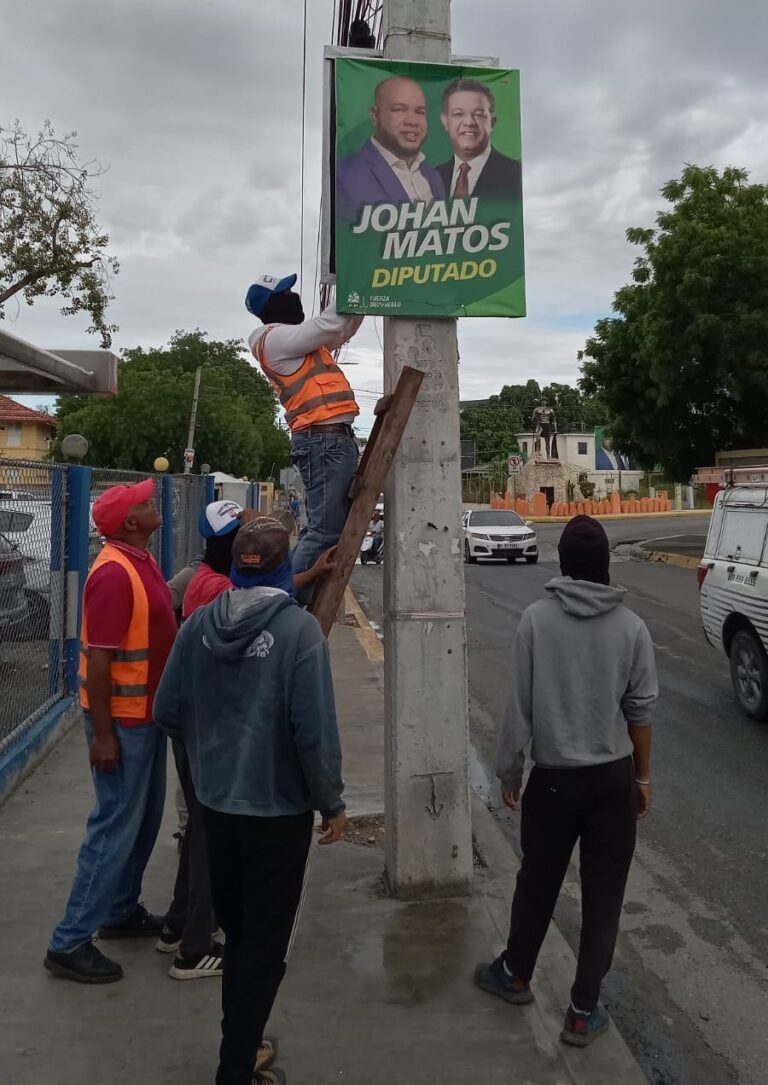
733, 584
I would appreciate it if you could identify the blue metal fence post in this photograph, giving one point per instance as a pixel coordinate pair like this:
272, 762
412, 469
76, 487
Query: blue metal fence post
166, 542
78, 517
57, 593
210, 489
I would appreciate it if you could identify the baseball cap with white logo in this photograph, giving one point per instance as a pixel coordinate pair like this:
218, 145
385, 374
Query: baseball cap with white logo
219, 518
262, 290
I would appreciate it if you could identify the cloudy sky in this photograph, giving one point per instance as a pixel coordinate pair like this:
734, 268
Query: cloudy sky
196, 109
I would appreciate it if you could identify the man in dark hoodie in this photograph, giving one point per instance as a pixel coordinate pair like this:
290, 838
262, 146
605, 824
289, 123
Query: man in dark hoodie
583, 683
248, 691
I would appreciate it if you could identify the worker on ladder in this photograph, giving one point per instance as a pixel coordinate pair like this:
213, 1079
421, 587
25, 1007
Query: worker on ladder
319, 405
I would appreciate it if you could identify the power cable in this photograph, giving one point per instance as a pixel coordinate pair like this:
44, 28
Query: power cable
303, 148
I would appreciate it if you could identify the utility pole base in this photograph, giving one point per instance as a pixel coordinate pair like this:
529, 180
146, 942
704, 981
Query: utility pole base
428, 842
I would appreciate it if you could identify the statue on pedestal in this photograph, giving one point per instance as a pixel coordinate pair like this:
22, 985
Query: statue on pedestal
544, 425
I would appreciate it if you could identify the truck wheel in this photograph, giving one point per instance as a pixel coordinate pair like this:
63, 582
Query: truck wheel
749, 674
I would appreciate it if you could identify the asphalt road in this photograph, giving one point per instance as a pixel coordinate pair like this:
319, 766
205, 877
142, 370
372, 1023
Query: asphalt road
689, 986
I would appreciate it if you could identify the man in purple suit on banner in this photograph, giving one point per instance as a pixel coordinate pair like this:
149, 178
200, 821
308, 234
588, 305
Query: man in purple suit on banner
390, 167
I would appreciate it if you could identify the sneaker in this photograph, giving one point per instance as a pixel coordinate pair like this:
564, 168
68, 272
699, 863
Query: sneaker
198, 968
169, 940
267, 1053
86, 964
142, 924
580, 1029
269, 1077
495, 978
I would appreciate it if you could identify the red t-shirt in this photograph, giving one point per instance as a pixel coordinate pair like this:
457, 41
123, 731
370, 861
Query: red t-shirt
205, 586
108, 605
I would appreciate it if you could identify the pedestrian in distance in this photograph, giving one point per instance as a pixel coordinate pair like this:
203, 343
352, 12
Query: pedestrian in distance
583, 683
248, 691
128, 630
296, 355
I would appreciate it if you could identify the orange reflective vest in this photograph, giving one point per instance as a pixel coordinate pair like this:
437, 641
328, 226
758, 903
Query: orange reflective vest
317, 392
130, 665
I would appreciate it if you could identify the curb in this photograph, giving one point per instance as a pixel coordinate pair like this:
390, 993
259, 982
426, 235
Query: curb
609, 1061
683, 561
364, 631
626, 516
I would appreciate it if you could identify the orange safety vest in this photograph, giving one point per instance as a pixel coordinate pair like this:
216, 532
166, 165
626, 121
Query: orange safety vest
130, 665
317, 392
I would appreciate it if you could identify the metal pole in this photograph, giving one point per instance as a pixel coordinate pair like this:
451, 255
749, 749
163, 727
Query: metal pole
166, 537
193, 418
78, 514
428, 827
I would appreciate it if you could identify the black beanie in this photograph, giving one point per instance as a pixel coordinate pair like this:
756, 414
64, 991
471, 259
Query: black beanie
584, 551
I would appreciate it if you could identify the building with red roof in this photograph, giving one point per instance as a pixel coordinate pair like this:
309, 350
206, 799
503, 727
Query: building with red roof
24, 434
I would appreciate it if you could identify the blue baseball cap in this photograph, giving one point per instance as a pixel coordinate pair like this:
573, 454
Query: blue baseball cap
262, 290
219, 518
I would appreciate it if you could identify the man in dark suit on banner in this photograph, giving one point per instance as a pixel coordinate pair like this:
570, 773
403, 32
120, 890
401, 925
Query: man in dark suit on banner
476, 169
390, 166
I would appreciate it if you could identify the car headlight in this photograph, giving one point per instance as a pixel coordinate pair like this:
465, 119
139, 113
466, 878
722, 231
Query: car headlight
476, 535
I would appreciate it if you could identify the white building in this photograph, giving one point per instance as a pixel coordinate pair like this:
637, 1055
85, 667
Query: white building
607, 469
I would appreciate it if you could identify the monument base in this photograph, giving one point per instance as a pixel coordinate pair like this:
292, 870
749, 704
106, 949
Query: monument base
556, 480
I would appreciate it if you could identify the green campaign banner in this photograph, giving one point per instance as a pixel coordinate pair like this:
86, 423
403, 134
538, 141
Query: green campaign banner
428, 190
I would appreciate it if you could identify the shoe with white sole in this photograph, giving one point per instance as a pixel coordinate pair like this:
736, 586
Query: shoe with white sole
266, 1054
269, 1077
198, 968
169, 940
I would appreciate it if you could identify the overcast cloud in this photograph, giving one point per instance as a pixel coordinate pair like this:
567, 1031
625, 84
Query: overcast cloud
196, 107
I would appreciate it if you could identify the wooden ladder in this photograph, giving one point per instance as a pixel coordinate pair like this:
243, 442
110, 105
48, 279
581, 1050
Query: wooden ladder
392, 414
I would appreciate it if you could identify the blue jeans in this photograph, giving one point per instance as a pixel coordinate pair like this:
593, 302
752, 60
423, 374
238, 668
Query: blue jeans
327, 464
119, 838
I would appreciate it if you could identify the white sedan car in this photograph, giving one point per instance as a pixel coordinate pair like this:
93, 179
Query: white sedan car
498, 533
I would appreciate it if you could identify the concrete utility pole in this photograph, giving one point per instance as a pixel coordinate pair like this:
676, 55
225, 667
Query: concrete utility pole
428, 826
193, 419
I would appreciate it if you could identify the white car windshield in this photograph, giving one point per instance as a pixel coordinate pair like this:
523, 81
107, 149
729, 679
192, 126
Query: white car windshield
501, 518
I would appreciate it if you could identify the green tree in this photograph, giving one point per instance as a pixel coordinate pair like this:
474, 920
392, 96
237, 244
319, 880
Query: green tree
493, 425
236, 430
50, 241
683, 366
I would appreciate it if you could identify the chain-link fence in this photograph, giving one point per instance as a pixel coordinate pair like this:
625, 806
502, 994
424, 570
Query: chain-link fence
32, 563
102, 478
46, 547
188, 496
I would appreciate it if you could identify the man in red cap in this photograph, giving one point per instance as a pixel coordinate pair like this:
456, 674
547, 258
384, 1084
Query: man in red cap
127, 634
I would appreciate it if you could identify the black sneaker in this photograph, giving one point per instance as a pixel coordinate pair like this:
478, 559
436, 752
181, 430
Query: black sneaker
142, 924
86, 964
198, 968
169, 940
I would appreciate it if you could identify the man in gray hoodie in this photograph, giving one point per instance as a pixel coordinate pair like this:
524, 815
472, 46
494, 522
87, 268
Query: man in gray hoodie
583, 683
248, 691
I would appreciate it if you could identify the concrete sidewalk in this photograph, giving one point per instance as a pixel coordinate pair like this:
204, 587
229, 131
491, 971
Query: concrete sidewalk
377, 992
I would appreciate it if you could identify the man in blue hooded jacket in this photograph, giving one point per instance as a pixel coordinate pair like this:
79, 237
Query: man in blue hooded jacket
248, 691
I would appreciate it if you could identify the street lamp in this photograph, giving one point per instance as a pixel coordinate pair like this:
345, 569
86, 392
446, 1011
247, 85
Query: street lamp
161, 464
75, 447
205, 469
